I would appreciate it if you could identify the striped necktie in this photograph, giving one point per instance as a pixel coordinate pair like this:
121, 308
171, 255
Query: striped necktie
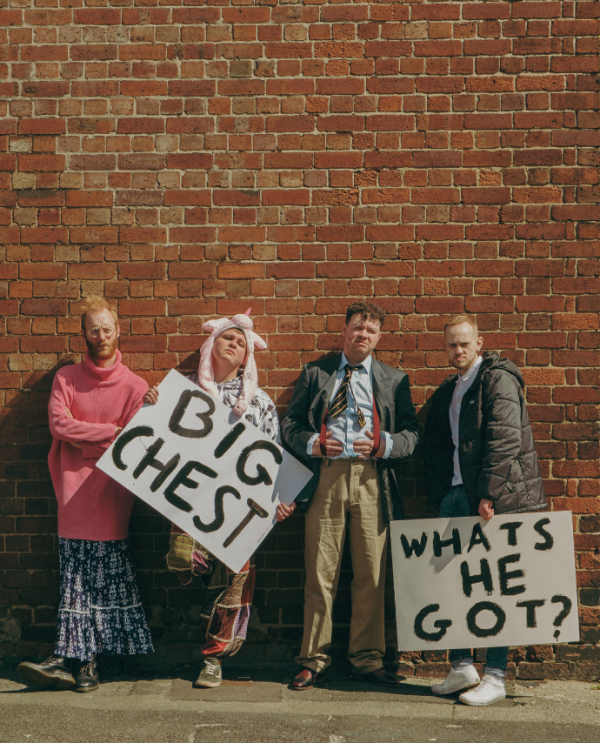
340, 401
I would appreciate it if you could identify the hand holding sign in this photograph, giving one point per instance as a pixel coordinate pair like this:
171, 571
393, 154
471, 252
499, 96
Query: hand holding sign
213, 474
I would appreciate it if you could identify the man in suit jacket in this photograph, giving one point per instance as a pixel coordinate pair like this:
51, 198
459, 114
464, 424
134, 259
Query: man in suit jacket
350, 419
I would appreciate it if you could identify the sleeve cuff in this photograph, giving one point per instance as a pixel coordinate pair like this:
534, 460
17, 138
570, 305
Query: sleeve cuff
309, 446
389, 444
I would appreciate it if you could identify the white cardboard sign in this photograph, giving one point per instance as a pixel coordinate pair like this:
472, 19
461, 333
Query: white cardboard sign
210, 472
468, 583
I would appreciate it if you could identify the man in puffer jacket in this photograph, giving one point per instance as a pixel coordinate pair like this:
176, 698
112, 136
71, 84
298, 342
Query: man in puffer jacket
479, 458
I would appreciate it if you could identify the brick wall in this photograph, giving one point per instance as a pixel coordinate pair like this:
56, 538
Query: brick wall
193, 159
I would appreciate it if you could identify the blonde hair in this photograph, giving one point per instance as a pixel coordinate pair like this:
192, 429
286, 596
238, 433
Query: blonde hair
96, 302
459, 320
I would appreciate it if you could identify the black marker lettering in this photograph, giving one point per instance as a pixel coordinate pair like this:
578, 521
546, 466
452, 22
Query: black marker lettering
548, 542
219, 512
531, 606
417, 547
440, 624
505, 576
261, 473
478, 631
563, 614
179, 412
469, 580
439, 543
511, 527
127, 438
478, 537
181, 478
149, 460
229, 440
255, 510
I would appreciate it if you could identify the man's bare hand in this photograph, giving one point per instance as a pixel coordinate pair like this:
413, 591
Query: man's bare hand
284, 511
486, 509
151, 397
363, 448
68, 412
332, 446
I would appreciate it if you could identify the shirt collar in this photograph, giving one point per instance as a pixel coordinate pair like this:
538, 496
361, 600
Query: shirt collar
472, 371
367, 363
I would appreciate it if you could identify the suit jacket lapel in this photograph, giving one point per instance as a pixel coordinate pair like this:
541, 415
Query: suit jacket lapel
326, 383
381, 389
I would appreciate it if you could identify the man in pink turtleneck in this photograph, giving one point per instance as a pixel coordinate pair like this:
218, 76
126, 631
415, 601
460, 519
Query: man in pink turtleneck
100, 609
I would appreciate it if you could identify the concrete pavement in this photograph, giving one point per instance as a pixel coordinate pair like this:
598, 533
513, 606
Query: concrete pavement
262, 709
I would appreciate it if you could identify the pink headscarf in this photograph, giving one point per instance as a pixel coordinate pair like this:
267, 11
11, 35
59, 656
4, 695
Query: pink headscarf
206, 375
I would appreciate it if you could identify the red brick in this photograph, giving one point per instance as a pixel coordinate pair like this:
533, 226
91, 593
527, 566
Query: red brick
486, 195
290, 123
42, 126
489, 304
195, 15
143, 87
437, 48
94, 234
45, 89
41, 163
341, 123
488, 121
89, 52
540, 304
44, 307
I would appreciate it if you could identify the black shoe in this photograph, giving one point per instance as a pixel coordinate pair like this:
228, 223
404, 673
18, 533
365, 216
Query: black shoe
51, 674
87, 678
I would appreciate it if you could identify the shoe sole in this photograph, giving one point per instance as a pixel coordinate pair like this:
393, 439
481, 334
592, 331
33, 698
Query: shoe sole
456, 691
480, 704
207, 685
87, 689
51, 681
301, 688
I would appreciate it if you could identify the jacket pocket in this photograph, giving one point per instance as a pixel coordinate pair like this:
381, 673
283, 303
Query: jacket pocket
514, 493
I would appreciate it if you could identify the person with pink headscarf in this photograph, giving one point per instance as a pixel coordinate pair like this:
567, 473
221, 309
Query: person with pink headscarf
227, 370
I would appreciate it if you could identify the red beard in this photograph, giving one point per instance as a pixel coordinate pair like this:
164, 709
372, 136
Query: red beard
102, 350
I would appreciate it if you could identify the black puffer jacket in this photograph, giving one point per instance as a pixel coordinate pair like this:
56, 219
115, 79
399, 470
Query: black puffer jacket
496, 449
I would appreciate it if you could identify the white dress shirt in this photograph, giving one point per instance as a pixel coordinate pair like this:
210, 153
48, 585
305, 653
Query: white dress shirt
346, 428
462, 386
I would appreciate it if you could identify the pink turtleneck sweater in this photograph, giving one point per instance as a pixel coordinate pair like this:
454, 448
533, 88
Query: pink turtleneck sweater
90, 504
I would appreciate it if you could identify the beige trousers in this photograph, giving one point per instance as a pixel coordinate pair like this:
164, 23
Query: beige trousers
348, 491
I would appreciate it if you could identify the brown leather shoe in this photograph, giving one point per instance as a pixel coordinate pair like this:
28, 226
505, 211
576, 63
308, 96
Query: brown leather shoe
306, 679
380, 676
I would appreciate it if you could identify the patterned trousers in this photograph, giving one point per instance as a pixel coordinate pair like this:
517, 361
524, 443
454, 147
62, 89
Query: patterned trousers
227, 601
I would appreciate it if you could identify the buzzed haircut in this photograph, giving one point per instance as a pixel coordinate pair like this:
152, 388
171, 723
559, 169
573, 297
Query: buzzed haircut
96, 302
367, 311
459, 320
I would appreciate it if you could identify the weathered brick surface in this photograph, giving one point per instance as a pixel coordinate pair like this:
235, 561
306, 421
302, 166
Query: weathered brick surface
193, 158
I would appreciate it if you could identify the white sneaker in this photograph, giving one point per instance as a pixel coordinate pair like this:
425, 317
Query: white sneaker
491, 689
464, 677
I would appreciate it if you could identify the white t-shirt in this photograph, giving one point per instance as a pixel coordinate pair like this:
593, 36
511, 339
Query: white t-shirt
462, 386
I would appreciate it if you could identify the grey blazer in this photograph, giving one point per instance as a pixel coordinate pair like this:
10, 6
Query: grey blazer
396, 416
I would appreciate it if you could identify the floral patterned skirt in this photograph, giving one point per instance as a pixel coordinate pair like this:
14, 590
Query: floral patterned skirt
100, 608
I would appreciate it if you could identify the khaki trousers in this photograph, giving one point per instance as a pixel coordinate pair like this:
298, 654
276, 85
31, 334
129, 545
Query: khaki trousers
348, 490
